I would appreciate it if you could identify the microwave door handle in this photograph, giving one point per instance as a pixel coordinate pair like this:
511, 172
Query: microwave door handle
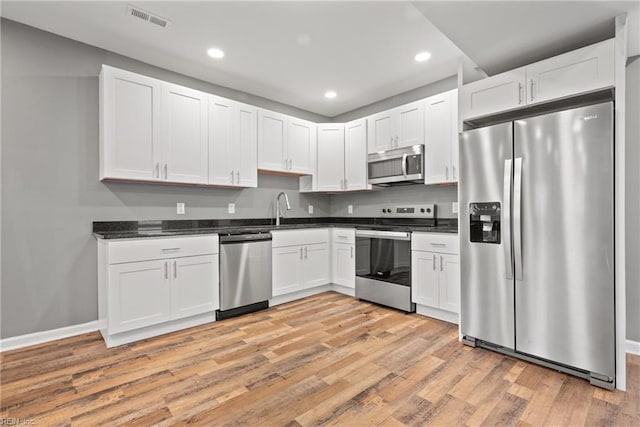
404, 164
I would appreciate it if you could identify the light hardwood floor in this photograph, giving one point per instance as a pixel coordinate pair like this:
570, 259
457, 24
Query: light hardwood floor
324, 360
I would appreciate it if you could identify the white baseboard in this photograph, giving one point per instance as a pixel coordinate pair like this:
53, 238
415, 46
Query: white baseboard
20, 341
343, 289
633, 347
282, 299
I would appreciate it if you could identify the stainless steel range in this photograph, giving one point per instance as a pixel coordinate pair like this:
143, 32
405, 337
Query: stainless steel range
383, 257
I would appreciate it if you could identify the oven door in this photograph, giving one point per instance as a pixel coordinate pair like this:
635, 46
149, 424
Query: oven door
383, 268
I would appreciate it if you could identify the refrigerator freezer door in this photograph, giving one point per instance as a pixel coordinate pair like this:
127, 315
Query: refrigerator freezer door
486, 267
564, 301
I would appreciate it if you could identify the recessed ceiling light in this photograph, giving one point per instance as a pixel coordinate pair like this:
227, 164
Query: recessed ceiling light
422, 56
215, 53
330, 94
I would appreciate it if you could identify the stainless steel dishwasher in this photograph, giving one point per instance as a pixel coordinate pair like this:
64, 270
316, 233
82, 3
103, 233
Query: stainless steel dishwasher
245, 273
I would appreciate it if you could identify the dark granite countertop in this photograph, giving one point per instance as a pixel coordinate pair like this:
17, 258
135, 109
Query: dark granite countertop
146, 229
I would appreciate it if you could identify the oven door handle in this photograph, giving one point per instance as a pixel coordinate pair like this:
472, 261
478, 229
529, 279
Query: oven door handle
404, 164
391, 235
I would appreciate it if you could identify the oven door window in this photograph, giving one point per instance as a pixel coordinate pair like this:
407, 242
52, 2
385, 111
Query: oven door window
384, 259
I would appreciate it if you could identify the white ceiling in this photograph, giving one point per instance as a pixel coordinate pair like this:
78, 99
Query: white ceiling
362, 50
503, 35
294, 51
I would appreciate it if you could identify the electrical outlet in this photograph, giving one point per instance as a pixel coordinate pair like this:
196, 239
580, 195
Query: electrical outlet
310, 209
180, 208
350, 209
232, 208
454, 207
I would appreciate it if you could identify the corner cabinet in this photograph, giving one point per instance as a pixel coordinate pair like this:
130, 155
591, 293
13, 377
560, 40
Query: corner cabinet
341, 158
441, 138
130, 126
285, 144
400, 127
435, 275
148, 287
330, 172
300, 260
581, 71
233, 143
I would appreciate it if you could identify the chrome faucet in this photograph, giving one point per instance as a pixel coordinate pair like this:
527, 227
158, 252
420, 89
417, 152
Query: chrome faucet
278, 209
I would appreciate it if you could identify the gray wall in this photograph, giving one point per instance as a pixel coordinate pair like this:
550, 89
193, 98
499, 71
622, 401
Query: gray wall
50, 187
398, 100
632, 181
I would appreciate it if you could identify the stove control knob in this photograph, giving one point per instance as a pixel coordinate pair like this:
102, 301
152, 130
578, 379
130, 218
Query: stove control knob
428, 210
421, 210
384, 211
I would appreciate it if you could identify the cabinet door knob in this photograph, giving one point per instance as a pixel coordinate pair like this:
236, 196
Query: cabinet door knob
305, 253
441, 263
446, 173
434, 262
454, 171
237, 177
175, 269
232, 177
300, 253
158, 170
166, 171
166, 274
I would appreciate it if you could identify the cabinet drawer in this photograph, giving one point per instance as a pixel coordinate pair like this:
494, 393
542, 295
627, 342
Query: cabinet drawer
156, 248
435, 242
283, 238
343, 235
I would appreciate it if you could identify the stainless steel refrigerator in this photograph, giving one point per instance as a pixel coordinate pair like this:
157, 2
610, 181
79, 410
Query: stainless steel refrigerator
537, 239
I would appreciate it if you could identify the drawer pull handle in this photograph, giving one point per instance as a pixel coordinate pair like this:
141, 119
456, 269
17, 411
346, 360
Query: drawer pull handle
343, 237
170, 249
438, 244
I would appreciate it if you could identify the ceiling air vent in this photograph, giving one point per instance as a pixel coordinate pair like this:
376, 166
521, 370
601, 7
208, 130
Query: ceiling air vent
147, 16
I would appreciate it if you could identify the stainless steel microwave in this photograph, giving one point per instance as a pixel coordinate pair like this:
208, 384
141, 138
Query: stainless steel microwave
396, 167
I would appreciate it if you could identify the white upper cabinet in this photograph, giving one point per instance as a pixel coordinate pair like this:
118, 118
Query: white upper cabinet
272, 143
222, 158
501, 92
400, 127
232, 143
330, 173
409, 125
584, 70
301, 145
355, 155
381, 130
285, 144
247, 138
130, 125
441, 138
580, 71
185, 143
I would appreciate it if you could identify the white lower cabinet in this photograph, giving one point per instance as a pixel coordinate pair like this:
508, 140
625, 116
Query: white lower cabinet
343, 261
300, 260
435, 275
141, 295
192, 290
153, 286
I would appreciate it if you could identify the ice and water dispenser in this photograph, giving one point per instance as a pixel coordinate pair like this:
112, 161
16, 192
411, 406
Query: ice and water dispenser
484, 220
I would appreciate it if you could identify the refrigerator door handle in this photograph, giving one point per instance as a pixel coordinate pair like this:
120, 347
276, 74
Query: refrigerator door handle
517, 217
506, 228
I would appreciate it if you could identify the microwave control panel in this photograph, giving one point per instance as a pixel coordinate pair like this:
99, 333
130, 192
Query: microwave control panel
415, 211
